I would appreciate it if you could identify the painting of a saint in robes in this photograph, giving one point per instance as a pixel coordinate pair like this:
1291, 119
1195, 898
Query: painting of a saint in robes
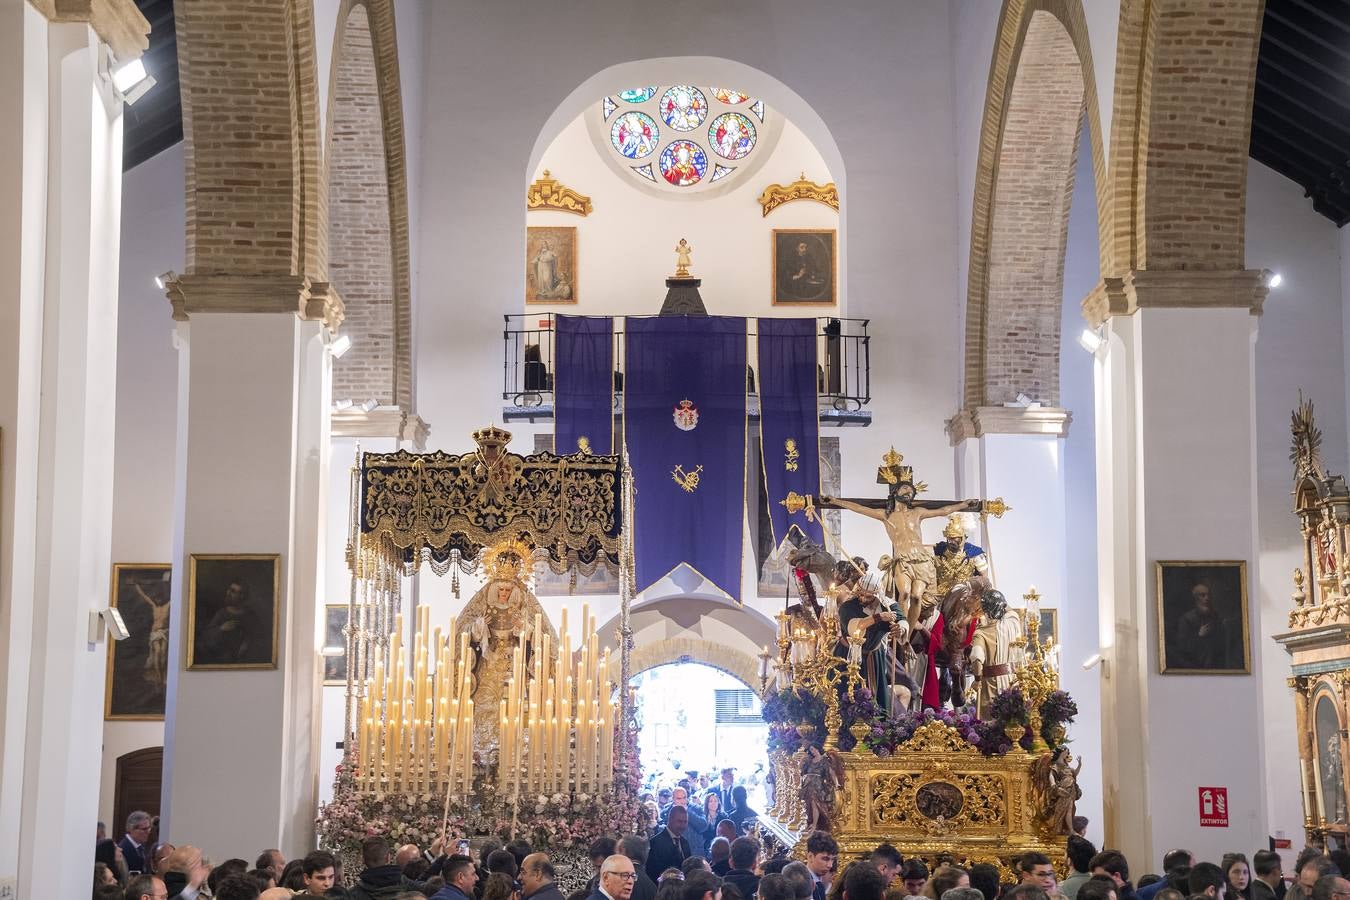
551, 264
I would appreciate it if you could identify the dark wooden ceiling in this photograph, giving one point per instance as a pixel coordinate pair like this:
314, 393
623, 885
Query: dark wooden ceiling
155, 121
1301, 104
1300, 111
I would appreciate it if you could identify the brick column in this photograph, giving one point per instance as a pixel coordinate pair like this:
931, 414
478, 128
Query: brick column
1176, 470
241, 745
61, 198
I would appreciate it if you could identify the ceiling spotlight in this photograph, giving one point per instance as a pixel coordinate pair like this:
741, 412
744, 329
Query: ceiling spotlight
341, 344
165, 279
1092, 661
369, 405
331, 652
341, 405
1275, 280
1090, 340
132, 81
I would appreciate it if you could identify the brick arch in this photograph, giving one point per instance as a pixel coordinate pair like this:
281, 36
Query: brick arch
256, 207
1180, 131
367, 186
1041, 88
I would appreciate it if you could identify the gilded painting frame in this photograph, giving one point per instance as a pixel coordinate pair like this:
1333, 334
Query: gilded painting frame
335, 667
198, 657
1176, 586
565, 268
112, 686
778, 240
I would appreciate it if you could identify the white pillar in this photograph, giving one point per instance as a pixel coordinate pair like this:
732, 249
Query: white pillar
382, 430
1018, 454
59, 237
241, 747
1176, 480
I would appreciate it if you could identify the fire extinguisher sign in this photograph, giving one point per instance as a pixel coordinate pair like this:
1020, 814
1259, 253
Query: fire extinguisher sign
1213, 807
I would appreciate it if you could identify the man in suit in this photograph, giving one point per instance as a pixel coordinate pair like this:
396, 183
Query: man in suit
669, 849
135, 843
617, 875
723, 790
635, 847
1268, 877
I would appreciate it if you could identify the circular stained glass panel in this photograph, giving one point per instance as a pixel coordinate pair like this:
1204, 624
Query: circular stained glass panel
731, 136
683, 163
638, 95
634, 134
728, 96
684, 107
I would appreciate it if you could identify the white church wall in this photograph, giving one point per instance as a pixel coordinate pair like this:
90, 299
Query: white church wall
1299, 346
884, 116
974, 30
147, 375
620, 273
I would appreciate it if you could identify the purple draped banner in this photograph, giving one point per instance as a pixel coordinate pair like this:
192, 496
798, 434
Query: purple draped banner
583, 384
684, 425
789, 424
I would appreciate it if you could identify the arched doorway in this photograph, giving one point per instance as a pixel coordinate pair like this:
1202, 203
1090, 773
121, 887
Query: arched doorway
696, 719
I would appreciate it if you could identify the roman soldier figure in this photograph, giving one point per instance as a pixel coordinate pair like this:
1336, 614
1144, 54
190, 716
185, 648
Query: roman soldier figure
955, 558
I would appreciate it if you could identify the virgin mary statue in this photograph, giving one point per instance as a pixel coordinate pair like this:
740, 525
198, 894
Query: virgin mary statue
496, 618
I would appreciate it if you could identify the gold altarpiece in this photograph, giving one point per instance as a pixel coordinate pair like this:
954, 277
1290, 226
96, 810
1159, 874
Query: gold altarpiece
1318, 639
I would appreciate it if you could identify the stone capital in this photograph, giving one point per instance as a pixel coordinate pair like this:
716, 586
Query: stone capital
296, 294
118, 23
382, 421
1176, 288
982, 420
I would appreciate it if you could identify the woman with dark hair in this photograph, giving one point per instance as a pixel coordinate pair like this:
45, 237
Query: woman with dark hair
670, 885
107, 852
713, 813
1239, 874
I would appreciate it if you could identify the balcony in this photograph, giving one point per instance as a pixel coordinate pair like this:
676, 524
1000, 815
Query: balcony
843, 374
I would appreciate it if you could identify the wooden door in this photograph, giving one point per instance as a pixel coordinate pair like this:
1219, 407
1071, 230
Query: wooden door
139, 775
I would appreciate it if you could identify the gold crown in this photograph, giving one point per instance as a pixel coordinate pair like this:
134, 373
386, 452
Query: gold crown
505, 559
955, 528
491, 436
892, 472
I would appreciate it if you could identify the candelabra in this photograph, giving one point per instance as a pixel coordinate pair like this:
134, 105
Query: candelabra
1036, 673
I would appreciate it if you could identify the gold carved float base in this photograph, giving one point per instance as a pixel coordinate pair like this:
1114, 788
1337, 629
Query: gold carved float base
937, 798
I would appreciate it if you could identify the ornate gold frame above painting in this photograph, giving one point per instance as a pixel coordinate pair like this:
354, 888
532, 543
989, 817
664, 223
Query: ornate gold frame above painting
1202, 617
551, 264
138, 667
234, 610
334, 637
549, 193
775, 195
805, 267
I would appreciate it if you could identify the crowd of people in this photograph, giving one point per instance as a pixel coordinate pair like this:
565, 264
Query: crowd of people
666, 861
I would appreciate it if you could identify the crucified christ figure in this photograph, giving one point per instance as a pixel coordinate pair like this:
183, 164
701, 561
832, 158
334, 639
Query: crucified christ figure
910, 570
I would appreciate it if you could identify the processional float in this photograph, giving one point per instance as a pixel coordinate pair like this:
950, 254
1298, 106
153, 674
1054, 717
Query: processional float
497, 724
942, 785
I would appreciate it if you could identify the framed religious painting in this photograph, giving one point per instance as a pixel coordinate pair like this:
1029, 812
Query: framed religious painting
805, 267
1202, 618
335, 643
550, 264
234, 610
138, 666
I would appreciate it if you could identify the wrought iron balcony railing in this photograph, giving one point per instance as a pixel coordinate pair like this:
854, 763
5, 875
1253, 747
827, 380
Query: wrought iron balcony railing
843, 373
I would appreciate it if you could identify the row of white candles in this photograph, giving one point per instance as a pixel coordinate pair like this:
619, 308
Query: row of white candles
555, 724
416, 734
557, 719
